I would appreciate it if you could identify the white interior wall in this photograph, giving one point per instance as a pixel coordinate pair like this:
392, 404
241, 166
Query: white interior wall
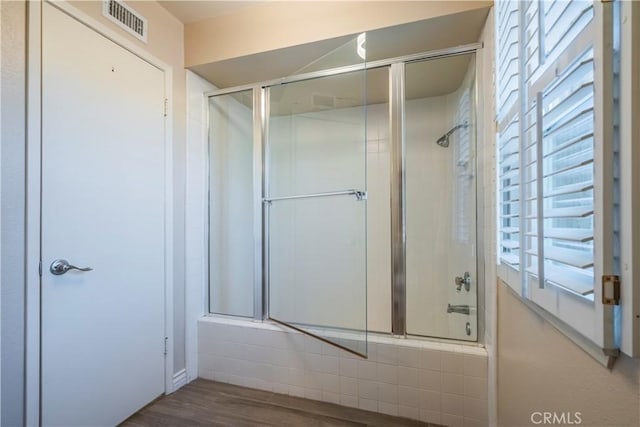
196, 215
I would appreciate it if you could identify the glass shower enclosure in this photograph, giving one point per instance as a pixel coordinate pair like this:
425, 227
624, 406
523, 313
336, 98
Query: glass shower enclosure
343, 199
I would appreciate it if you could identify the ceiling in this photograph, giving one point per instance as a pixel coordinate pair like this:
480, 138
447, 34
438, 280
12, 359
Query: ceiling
191, 11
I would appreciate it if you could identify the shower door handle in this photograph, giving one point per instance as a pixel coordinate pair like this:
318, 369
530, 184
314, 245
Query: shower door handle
359, 195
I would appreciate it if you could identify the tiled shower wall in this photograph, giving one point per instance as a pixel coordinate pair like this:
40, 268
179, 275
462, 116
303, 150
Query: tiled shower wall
435, 382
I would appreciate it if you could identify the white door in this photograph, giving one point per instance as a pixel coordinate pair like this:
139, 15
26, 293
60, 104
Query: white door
102, 207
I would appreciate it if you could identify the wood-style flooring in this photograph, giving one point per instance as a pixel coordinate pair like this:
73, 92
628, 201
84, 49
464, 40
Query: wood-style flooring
210, 403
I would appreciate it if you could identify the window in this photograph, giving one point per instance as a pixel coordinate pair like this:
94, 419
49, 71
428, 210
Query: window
555, 154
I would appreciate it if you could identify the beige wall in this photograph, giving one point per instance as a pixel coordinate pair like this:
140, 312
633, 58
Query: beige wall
12, 208
539, 369
165, 37
277, 25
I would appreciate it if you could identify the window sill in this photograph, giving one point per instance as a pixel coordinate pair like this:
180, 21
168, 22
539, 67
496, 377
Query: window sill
511, 278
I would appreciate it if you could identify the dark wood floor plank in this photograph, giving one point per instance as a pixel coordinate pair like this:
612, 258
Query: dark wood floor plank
209, 403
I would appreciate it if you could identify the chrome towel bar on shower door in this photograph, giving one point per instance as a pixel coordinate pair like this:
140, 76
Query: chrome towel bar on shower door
360, 195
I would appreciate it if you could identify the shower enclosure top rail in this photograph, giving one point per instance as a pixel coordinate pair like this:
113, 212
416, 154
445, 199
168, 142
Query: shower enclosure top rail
360, 195
452, 51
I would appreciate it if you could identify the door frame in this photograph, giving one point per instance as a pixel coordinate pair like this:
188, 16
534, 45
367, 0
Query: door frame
34, 188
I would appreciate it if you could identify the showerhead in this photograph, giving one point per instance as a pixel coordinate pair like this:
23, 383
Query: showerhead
443, 141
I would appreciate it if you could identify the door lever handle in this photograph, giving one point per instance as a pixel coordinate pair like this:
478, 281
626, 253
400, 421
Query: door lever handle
61, 266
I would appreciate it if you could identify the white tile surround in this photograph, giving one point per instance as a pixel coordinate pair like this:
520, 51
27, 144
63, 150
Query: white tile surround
437, 382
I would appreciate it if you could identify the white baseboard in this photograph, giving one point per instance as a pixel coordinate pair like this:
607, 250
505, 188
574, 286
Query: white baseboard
179, 379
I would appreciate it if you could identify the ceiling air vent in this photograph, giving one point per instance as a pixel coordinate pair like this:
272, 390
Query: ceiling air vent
126, 18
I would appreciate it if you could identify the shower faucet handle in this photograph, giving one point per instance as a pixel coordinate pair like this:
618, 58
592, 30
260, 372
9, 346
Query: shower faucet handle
464, 280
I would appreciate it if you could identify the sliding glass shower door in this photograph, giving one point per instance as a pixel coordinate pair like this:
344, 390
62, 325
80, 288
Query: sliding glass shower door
315, 208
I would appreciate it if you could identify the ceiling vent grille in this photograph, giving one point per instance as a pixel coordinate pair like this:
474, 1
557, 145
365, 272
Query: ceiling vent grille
126, 18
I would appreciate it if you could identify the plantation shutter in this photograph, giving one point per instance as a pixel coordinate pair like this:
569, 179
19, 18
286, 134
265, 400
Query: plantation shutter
507, 88
556, 161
